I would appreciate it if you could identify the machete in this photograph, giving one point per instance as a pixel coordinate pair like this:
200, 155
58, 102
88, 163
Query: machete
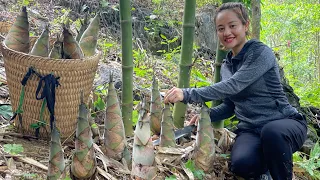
179, 133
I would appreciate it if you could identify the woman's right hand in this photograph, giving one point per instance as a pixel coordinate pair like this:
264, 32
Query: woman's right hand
173, 95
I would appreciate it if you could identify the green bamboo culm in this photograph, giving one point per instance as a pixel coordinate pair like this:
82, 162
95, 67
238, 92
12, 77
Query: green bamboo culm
167, 128
56, 169
186, 58
221, 54
127, 66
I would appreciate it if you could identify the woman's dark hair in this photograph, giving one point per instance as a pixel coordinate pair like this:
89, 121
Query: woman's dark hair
237, 8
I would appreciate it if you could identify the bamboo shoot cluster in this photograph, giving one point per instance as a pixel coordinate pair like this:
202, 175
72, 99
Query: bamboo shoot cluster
143, 157
204, 151
65, 47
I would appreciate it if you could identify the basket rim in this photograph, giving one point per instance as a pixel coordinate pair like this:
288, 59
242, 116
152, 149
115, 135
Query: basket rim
98, 53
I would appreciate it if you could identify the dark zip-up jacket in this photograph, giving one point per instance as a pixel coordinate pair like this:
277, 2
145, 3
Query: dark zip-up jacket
250, 87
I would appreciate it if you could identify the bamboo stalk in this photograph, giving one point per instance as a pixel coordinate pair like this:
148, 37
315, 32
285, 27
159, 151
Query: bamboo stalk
186, 58
221, 54
127, 65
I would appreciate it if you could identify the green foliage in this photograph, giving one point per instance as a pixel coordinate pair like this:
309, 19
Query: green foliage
37, 124
310, 165
6, 111
199, 174
67, 178
99, 104
13, 149
55, 25
171, 178
292, 29
139, 57
24, 2
104, 3
105, 45
169, 53
29, 176
200, 79
135, 116
201, 3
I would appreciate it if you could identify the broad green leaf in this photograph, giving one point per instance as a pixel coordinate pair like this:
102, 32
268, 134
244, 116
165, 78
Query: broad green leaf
13, 149
6, 111
99, 104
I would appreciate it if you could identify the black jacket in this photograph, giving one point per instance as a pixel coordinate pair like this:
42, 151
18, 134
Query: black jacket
250, 86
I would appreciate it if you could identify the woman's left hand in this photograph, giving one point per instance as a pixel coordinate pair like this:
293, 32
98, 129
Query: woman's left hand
173, 95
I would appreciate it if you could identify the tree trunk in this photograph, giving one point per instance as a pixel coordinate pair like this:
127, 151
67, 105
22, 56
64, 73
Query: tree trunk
127, 65
256, 17
186, 58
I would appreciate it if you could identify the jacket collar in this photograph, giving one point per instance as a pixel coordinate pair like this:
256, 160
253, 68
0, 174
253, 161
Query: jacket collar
242, 52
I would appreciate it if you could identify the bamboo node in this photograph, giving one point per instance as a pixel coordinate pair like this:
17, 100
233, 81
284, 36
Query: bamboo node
188, 25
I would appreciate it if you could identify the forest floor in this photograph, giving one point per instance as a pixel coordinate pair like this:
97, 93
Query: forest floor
32, 162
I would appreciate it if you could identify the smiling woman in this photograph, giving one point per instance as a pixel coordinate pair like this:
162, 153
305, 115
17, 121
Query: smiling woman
232, 28
269, 128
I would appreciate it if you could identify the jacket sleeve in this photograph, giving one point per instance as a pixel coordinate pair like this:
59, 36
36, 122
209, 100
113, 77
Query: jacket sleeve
256, 63
222, 111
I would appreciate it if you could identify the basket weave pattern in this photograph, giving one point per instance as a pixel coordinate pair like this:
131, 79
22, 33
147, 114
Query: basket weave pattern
5, 27
75, 75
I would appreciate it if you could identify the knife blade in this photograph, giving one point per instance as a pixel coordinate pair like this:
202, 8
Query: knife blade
179, 133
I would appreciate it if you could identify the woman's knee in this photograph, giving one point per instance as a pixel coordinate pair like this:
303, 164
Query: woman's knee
245, 167
271, 133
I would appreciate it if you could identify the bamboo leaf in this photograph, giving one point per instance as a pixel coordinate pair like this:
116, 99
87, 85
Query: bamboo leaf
163, 36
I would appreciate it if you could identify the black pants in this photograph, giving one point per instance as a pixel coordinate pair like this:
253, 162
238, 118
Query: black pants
268, 148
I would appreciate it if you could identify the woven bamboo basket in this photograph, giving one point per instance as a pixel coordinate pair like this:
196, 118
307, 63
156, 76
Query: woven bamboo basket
5, 27
76, 75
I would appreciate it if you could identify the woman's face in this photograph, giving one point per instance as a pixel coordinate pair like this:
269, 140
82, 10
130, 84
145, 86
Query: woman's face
231, 31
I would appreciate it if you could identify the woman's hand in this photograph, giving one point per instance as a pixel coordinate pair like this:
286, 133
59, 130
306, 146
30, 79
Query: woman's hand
173, 95
194, 120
